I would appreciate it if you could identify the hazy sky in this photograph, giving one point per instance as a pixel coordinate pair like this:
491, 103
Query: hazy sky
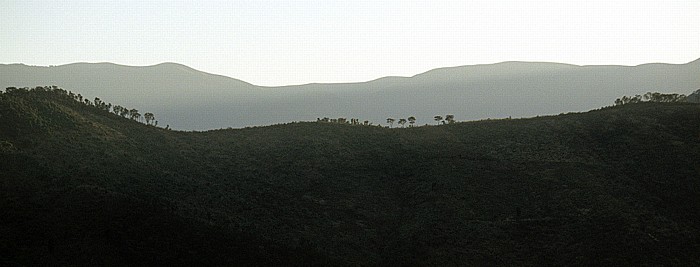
293, 42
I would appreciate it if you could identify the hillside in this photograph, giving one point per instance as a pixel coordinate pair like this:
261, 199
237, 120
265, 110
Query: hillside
694, 97
615, 186
188, 99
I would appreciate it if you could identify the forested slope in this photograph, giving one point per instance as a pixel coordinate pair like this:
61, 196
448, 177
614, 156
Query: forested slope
82, 186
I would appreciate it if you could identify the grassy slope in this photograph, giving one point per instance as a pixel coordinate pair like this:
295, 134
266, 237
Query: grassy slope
618, 185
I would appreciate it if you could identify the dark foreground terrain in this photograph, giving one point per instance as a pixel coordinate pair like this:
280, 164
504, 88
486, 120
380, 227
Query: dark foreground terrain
81, 186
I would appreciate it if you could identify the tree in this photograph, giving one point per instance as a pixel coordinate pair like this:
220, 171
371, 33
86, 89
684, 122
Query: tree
411, 120
134, 114
117, 109
636, 99
124, 112
390, 121
101, 104
149, 117
450, 118
402, 122
438, 118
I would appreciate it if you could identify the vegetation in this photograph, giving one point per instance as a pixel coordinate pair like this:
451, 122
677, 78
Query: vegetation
402, 122
450, 118
66, 97
82, 186
651, 97
438, 118
412, 120
352, 121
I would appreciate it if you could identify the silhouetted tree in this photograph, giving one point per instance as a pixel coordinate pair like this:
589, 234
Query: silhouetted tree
117, 109
411, 120
149, 117
438, 119
450, 118
134, 114
101, 104
390, 121
636, 99
402, 122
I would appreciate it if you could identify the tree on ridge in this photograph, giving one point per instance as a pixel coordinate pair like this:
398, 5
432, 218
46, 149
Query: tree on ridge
390, 121
450, 118
402, 122
438, 119
149, 117
134, 114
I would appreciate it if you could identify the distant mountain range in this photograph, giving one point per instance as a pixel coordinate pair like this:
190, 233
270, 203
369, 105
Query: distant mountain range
188, 99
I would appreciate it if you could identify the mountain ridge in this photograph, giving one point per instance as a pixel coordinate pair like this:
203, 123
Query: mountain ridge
189, 99
516, 62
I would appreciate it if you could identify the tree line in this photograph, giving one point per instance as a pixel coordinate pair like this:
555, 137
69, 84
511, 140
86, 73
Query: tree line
448, 119
651, 97
351, 121
411, 120
134, 114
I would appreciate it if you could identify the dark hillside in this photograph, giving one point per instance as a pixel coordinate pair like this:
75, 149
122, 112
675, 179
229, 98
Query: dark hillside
81, 186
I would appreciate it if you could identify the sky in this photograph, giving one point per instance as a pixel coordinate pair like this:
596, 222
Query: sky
274, 43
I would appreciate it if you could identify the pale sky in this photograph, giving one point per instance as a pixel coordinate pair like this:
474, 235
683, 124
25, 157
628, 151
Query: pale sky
294, 42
